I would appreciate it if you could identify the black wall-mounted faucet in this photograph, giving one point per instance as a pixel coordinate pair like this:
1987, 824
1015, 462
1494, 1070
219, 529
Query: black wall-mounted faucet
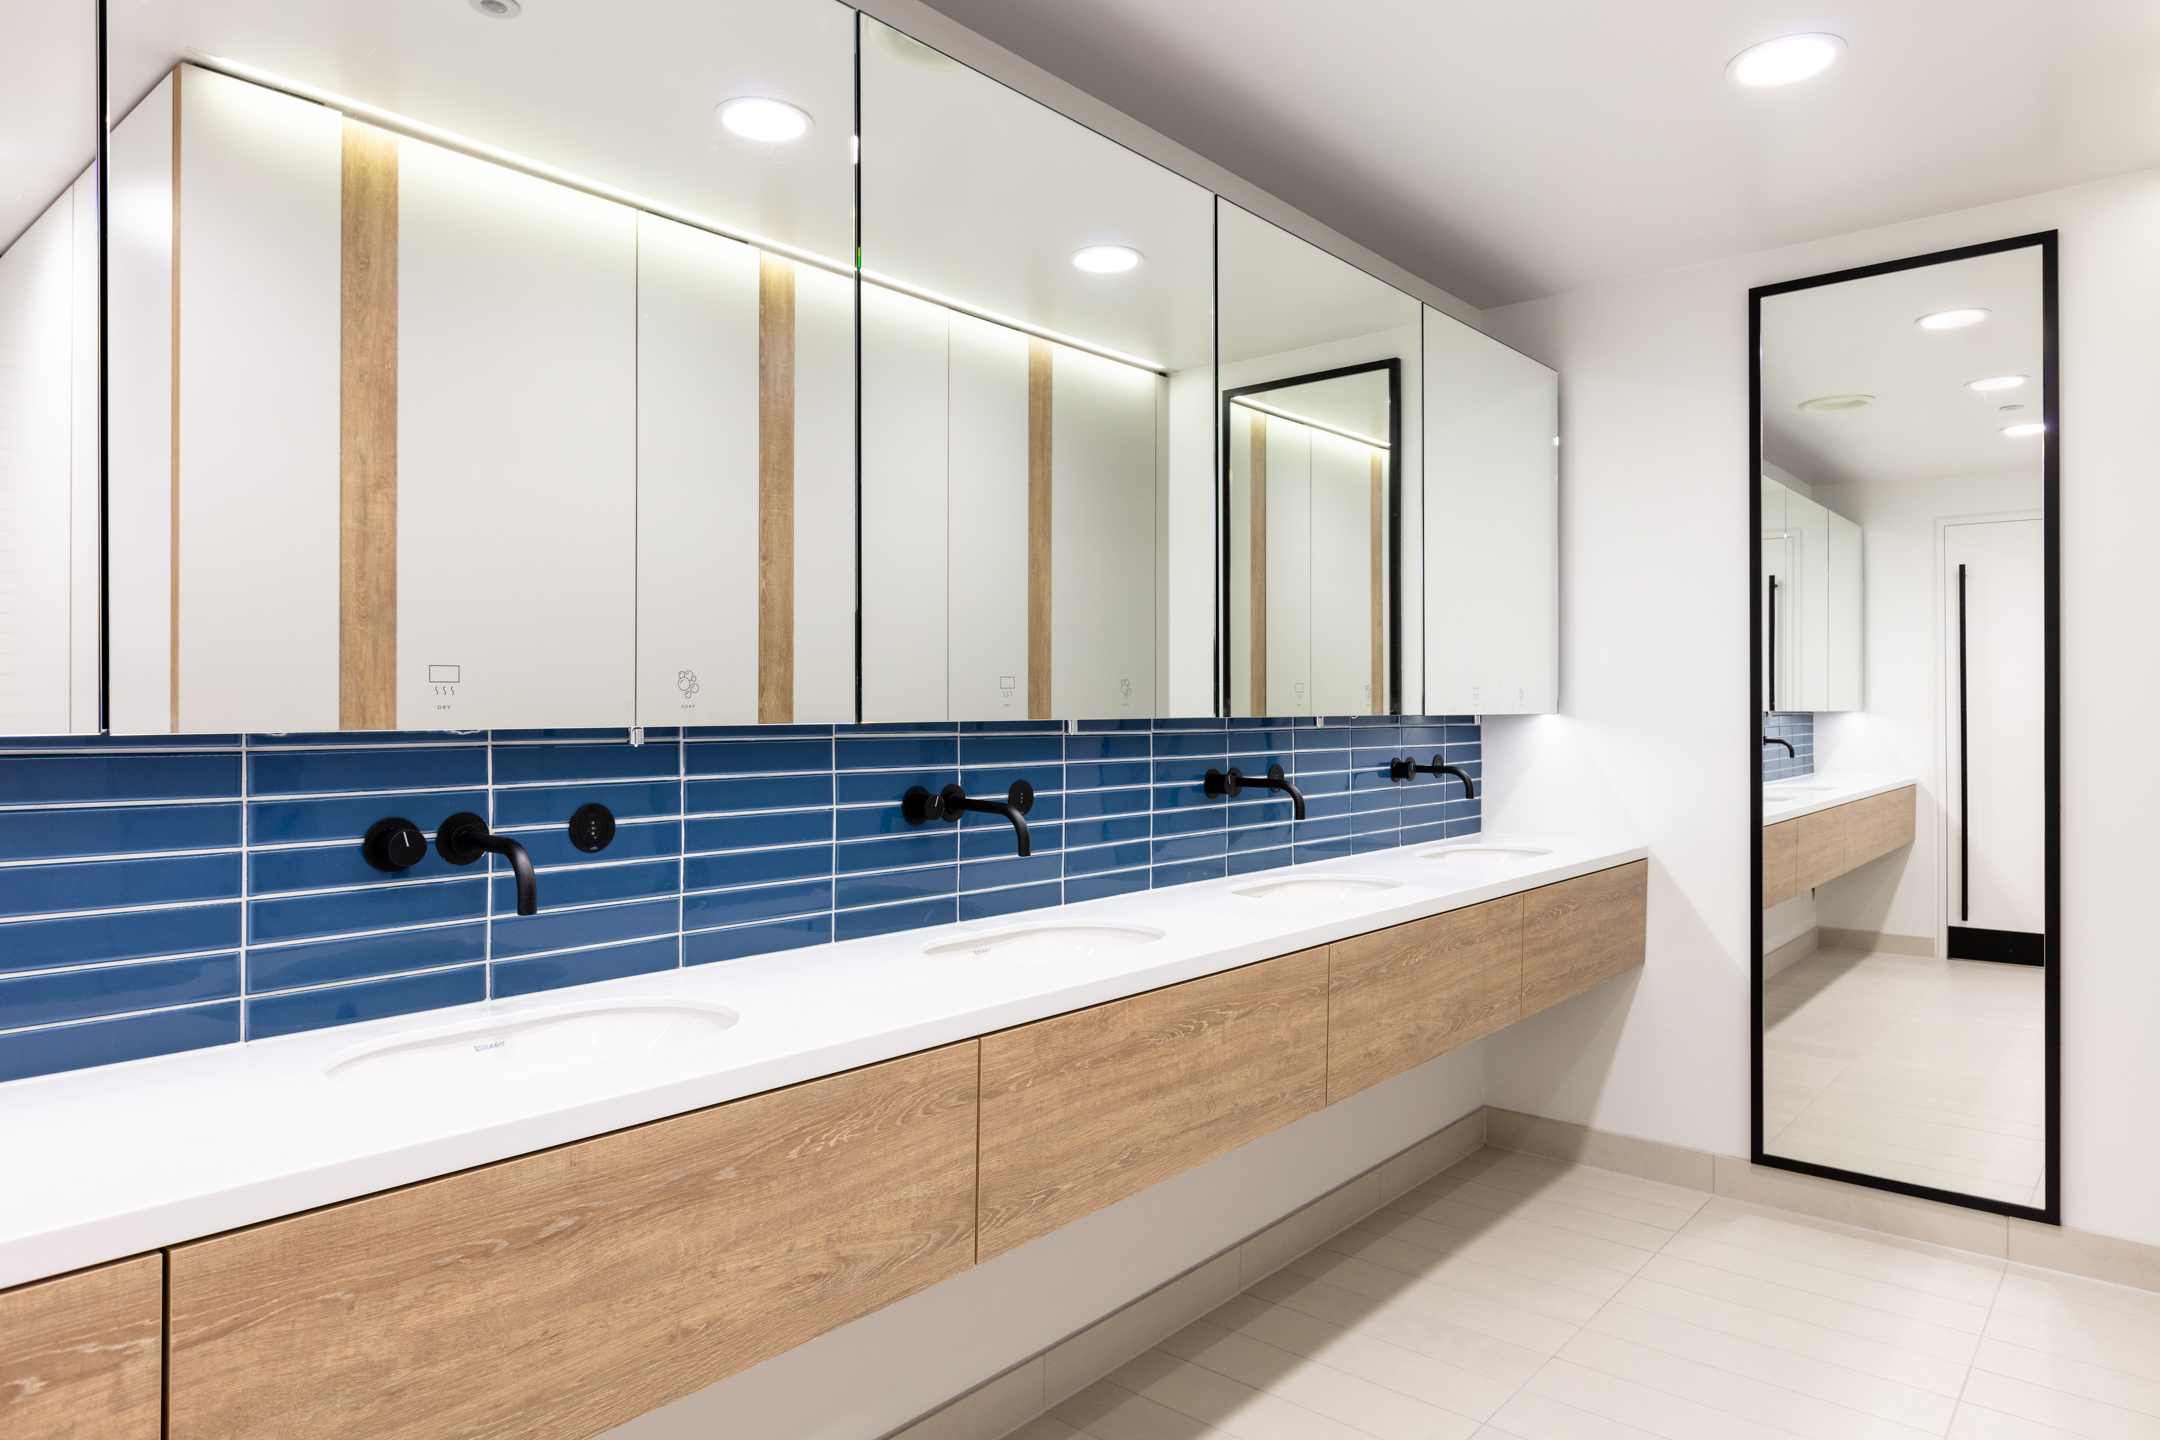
1275, 780
1233, 784
1775, 740
1410, 770
464, 838
920, 807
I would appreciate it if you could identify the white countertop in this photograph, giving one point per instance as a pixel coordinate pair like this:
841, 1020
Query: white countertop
1805, 794
121, 1159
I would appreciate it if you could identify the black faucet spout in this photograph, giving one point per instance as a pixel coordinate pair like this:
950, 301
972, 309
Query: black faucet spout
465, 837
1277, 781
1410, 770
1778, 740
920, 807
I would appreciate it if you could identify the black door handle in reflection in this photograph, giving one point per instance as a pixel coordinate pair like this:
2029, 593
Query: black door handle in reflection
920, 807
464, 838
1276, 780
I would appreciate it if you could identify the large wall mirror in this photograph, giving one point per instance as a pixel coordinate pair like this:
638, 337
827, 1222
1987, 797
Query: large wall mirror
49, 544
1904, 508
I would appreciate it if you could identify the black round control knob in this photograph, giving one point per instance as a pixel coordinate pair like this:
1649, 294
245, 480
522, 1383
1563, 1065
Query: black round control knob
1021, 796
394, 844
592, 827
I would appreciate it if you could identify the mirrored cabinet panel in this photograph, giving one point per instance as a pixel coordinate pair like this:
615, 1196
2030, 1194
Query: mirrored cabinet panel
1320, 472
1810, 602
1037, 343
48, 370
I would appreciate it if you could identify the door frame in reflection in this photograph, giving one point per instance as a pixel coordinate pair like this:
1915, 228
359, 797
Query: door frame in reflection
1226, 669
2051, 760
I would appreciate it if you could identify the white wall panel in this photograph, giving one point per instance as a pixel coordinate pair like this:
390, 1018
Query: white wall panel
85, 600
904, 508
987, 510
517, 434
1103, 469
1341, 529
37, 370
1289, 569
824, 497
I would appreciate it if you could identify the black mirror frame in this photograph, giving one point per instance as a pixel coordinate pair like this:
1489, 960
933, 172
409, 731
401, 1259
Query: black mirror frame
2051, 763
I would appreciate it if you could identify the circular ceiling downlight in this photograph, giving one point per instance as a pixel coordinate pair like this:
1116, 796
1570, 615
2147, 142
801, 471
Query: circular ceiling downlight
1823, 403
1995, 382
1106, 259
1953, 319
2033, 427
755, 117
499, 9
1785, 59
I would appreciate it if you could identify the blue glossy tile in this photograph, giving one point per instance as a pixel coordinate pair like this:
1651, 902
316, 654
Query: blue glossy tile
347, 817
591, 885
1364, 843
897, 752
66, 779
555, 804
634, 840
126, 935
558, 764
1012, 727
1125, 724
1084, 804
615, 733
296, 1010
1377, 801
106, 884
1098, 858
1244, 839
117, 830
990, 903
1098, 887
1423, 834
1246, 862
757, 792
892, 886
359, 957
1189, 722
1190, 872
888, 787
1011, 752
1247, 813
1320, 738
1214, 818
710, 909
1111, 831
1107, 774
514, 935
329, 867
1272, 743
994, 783
305, 917
799, 862
1179, 848
370, 739
1204, 745
44, 743
1307, 852
745, 832
1010, 870
756, 732
867, 822
1108, 745
53, 997
995, 841
1320, 828
924, 847
583, 967
107, 1042
757, 757
885, 919
885, 728
703, 947
305, 772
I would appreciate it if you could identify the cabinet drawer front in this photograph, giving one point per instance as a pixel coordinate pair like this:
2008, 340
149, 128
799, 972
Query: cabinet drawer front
79, 1355
1780, 863
1082, 1110
561, 1294
1820, 843
1400, 996
1878, 825
1581, 932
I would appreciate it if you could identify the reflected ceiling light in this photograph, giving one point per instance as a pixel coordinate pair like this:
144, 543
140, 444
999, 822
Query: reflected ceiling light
1106, 259
2031, 427
500, 9
1952, 319
1822, 403
1785, 59
756, 118
1994, 382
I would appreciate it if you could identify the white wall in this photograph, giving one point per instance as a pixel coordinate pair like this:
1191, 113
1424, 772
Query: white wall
1657, 740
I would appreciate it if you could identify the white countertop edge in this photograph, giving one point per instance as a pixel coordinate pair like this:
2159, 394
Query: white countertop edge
71, 1201
1848, 788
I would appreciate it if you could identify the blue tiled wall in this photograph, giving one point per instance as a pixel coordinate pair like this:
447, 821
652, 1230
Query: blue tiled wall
1798, 726
166, 893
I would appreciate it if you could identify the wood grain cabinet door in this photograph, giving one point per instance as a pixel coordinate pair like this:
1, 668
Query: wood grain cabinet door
558, 1295
1082, 1110
1582, 932
1820, 848
1878, 825
1780, 863
79, 1355
1400, 996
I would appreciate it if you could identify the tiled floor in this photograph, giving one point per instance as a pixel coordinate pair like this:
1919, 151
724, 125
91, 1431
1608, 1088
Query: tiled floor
1517, 1298
1916, 1069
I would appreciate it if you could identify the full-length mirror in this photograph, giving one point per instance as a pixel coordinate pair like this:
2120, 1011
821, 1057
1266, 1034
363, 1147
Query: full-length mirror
1320, 476
48, 370
1905, 641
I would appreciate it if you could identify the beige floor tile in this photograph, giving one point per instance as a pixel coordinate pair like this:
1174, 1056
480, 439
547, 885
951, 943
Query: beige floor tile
2132, 1348
1567, 1190
1045, 1427
1411, 1372
1229, 1405
1465, 1273
1496, 1318
1498, 1360
1613, 1182
2085, 1377
1501, 1253
2075, 1414
1646, 1408
1836, 1284
1914, 1265
1548, 1209
1531, 1416
1844, 1317
2035, 1292
1528, 1230
1324, 1389
1974, 1422
1105, 1411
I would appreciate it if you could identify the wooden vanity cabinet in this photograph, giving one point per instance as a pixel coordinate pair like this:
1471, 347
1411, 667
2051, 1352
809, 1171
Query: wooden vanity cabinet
560, 1294
1800, 854
1582, 932
1878, 825
1081, 1110
1400, 996
79, 1354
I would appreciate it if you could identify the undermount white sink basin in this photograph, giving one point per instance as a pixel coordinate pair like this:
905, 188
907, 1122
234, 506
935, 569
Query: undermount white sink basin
512, 1047
1481, 854
1314, 889
1056, 940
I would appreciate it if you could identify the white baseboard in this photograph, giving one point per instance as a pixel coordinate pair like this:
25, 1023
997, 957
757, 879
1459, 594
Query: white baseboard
1878, 942
1798, 948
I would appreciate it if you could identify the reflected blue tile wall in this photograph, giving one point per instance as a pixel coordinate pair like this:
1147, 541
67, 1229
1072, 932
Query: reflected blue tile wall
1797, 727
167, 893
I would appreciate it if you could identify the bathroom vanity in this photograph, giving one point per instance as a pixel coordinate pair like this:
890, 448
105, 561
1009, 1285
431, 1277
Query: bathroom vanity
845, 1129
1820, 826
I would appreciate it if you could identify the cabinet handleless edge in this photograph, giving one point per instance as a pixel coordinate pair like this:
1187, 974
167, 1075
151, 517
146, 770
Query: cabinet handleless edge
561, 1294
1582, 932
1401, 996
80, 1354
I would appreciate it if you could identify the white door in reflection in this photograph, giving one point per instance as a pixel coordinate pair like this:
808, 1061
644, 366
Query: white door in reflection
1995, 668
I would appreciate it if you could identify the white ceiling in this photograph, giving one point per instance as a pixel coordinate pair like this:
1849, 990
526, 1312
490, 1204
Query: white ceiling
1858, 337
1511, 150
48, 105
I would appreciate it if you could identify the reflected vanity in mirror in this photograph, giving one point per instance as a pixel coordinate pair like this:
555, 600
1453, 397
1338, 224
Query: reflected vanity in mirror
1904, 498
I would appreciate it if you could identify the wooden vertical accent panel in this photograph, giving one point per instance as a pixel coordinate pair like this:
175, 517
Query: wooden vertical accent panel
367, 432
1400, 996
776, 489
1878, 825
1582, 932
1258, 567
559, 1295
1379, 584
1780, 863
179, 73
1041, 407
80, 1356
1082, 1110
1821, 838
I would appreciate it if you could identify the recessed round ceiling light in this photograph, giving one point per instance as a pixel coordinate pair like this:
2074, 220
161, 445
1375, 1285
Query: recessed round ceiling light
1785, 59
2033, 427
1952, 319
1822, 403
1106, 259
756, 118
1995, 382
500, 9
